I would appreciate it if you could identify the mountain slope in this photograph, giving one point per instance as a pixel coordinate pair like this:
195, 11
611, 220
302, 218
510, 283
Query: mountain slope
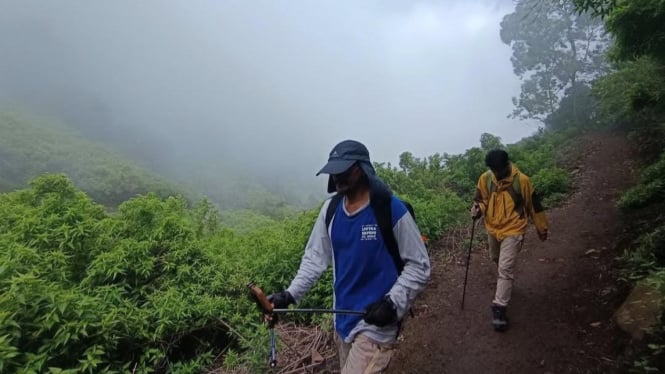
31, 146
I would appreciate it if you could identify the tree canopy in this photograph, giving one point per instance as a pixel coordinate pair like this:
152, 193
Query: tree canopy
554, 48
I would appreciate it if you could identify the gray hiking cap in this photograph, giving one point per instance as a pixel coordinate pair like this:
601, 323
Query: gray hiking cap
343, 156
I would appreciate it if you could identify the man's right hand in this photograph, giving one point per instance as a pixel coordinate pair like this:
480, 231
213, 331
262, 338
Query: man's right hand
281, 300
475, 211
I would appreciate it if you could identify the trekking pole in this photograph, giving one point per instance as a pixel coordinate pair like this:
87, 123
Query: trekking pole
269, 309
332, 311
269, 314
272, 359
468, 260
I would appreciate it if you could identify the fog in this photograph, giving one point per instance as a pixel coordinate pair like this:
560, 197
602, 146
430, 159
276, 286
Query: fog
267, 87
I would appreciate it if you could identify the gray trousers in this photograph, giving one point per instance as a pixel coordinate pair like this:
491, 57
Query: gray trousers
363, 356
504, 255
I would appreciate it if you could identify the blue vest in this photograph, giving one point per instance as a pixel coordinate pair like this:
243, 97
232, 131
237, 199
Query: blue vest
363, 268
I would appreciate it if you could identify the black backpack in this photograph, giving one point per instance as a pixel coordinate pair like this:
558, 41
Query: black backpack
384, 218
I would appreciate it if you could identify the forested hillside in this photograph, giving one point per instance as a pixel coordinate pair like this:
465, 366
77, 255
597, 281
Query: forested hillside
31, 146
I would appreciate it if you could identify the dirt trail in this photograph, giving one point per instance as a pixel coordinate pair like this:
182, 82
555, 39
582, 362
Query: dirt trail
563, 297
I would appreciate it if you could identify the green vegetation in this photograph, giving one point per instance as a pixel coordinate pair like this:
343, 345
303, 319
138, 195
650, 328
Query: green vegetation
644, 257
441, 187
154, 287
157, 286
649, 190
30, 147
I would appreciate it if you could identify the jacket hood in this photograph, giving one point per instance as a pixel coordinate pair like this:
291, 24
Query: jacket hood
503, 183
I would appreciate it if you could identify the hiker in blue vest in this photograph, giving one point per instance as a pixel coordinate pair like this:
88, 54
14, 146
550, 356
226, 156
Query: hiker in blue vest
506, 198
380, 273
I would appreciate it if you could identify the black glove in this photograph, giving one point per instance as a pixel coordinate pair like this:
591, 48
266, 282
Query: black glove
381, 313
281, 300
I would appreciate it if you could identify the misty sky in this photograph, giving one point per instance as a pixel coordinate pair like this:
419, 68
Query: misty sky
271, 84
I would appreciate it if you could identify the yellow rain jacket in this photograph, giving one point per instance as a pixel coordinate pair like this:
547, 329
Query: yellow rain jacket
507, 211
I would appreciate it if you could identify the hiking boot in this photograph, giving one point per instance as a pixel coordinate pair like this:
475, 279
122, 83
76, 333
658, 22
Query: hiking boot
499, 318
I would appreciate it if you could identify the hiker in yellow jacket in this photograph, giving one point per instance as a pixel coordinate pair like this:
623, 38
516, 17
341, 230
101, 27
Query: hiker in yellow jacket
506, 198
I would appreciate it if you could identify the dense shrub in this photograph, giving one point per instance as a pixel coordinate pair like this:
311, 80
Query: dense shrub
142, 290
438, 213
552, 183
650, 188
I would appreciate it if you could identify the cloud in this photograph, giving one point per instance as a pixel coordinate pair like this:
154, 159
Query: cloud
268, 86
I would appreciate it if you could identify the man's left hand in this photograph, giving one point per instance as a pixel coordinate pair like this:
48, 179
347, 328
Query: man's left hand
381, 313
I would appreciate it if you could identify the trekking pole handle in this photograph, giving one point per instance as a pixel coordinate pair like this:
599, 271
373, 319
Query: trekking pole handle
476, 206
260, 297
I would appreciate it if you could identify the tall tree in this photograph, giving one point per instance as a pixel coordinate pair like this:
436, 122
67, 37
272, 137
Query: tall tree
638, 26
639, 29
554, 48
598, 8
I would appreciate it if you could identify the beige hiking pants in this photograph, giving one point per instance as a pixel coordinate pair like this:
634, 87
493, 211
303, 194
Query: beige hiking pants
363, 356
504, 255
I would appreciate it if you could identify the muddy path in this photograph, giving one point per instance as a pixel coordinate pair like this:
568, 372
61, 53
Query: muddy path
564, 294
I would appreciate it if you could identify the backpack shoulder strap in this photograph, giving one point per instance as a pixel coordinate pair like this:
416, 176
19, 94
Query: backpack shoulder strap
516, 194
491, 187
409, 208
332, 207
490, 184
383, 213
516, 183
